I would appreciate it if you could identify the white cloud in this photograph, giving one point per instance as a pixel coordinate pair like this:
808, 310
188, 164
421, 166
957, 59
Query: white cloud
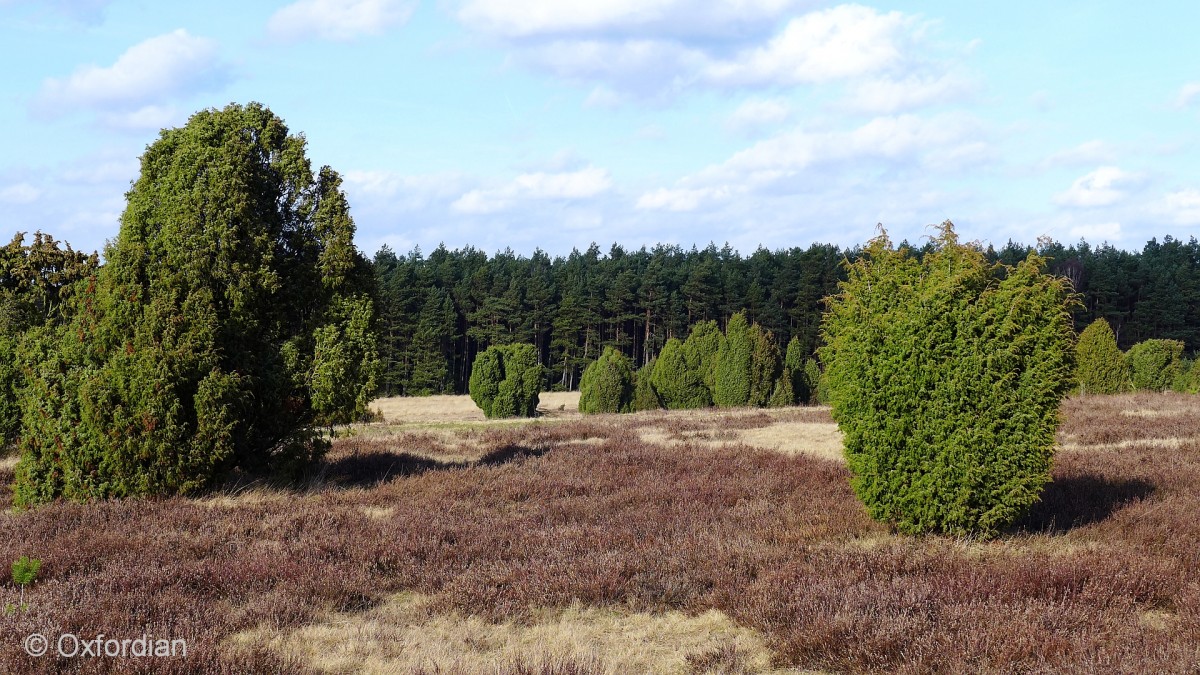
841, 42
534, 18
756, 113
573, 185
170, 65
645, 67
1188, 93
20, 193
1182, 207
603, 97
88, 11
681, 199
1089, 152
1103, 187
339, 20
147, 117
939, 143
887, 95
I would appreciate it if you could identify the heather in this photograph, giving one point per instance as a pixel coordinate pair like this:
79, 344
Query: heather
684, 511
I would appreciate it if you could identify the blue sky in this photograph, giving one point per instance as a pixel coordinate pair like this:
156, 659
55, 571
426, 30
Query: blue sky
555, 124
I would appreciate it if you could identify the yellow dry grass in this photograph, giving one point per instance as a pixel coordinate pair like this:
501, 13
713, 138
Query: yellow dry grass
405, 634
817, 439
442, 409
1171, 443
9, 463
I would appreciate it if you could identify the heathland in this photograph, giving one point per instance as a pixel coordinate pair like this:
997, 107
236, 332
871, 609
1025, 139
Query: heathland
665, 541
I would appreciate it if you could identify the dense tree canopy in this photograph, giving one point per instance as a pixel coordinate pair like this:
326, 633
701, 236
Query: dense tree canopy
573, 306
232, 315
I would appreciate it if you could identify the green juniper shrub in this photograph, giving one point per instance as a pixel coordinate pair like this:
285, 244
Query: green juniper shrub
793, 365
783, 395
700, 349
946, 375
734, 363
233, 316
607, 384
644, 396
765, 365
1154, 364
677, 380
816, 385
1187, 378
506, 380
1100, 366
24, 573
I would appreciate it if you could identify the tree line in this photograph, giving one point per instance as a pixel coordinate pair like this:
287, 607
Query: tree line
438, 312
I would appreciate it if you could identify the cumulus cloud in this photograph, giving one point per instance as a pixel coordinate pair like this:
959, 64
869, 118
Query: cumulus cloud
942, 142
338, 20
836, 43
888, 95
1105, 186
1181, 207
538, 18
573, 185
168, 66
1089, 152
657, 48
756, 113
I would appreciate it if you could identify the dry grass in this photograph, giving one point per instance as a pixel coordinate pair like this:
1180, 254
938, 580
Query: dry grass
442, 409
576, 530
406, 633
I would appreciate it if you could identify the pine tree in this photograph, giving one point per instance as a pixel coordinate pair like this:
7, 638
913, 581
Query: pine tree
1100, 367
734, 363
946, 375
232, 316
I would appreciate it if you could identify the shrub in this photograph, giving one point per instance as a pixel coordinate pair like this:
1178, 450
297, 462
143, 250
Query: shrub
1154, 364
607, 384
783, 395
734, 362
1187, 379
815, 382
945, 376
794, 367
506, 380
679, 384
700, 349
765, 365
1100, 367
644, 396
232, 316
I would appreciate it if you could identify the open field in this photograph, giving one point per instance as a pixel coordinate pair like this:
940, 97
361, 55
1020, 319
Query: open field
696, 541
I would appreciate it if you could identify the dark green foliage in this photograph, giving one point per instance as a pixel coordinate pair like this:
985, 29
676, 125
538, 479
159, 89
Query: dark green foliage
783, 395
815, 383
1100, 367
734, 363
1188, 379
677, 379
233, 315
765, 365
506, 381
701, 348
945, 376
36, 282
607, 384
793, 366
1154, 364
644, 396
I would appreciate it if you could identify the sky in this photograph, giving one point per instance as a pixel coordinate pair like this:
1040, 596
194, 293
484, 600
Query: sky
553, 124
